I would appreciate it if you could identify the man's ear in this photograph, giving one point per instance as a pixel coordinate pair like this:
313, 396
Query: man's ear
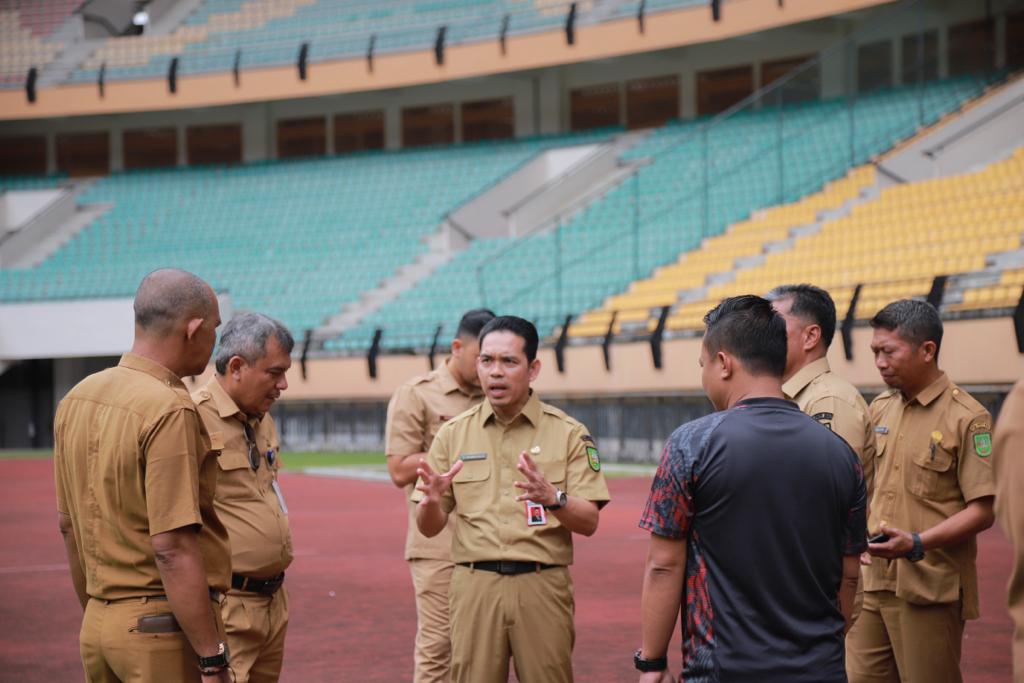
456, 346
927, 351
534, 369
192, 327
725, 362
812, 335
235, 364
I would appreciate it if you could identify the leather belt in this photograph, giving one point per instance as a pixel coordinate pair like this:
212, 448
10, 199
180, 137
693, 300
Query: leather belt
215, 596
509, 567
253, 585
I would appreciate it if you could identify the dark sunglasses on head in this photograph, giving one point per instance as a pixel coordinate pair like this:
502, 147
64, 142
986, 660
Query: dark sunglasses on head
254, 451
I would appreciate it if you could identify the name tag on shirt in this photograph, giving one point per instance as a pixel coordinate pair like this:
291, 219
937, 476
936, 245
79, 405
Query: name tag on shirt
536, 515
881, 430
280, 496
470, 457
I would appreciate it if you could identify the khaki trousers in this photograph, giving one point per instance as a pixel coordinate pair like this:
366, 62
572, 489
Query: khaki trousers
528, 617
895, 641
113, 650
430, 579
256, 626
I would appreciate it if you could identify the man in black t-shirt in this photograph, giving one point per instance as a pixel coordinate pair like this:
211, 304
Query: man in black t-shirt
757, 520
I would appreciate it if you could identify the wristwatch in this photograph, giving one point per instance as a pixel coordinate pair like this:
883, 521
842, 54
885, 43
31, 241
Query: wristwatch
648, 665
917, 552
217, 661
561, 498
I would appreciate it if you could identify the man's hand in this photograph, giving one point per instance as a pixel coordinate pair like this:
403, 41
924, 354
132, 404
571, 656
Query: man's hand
435, 485
899, 544
536, 487
865, 559
657, 677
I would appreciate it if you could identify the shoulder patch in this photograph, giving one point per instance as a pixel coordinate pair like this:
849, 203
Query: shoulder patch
983, 444
822, 417
593, 459
587, 438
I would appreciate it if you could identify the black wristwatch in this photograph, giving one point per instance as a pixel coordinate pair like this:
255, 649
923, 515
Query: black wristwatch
648, 665
916, 554
561, 498
217, 661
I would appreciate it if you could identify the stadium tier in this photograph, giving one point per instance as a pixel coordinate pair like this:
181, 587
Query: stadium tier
649, 220
894, 245
313, 234
25, 31
269, 32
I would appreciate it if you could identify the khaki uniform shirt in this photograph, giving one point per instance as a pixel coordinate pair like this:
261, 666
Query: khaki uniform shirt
932, 459
837, 404
489, 523
132, 460
246, 501
415, 414
1008, 461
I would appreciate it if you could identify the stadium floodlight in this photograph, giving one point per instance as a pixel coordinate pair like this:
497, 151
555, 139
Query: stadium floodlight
570, 25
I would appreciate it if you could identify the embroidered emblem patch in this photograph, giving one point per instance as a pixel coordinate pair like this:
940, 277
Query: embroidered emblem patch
593, 459
983, 444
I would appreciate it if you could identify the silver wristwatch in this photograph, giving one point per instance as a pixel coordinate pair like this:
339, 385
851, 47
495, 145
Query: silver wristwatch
561, 498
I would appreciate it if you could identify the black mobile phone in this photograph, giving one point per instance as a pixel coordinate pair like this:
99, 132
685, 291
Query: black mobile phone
880, 537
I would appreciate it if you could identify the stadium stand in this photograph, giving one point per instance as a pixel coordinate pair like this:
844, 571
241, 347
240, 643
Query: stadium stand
269, 32
894, 245
25, 31
327, 228
646, 222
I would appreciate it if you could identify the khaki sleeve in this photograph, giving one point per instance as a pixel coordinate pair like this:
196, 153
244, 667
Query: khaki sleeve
403, 433
854, 426
58, 458
439, 459
975, 467
1008, 463
172, 471
583, 472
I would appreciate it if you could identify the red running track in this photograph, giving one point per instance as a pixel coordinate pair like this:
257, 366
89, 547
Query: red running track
351, 598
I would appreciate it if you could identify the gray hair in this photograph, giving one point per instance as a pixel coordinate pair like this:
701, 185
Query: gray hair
246, 335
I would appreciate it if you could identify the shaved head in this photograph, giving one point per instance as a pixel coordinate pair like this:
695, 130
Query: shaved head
169, 296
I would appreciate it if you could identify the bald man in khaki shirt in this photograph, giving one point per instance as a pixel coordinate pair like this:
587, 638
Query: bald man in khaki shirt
520, 478
418, 409
135, 478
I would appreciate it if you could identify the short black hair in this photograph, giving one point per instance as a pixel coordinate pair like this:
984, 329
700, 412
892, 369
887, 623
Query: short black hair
518, 326
749, 328
914, 320
169, 295
811, 303
472, 322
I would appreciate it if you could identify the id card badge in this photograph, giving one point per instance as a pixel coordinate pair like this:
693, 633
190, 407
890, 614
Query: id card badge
536, 515
280, 496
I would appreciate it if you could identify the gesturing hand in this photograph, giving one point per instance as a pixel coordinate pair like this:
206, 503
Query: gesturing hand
434, 485
899, 544
536, 487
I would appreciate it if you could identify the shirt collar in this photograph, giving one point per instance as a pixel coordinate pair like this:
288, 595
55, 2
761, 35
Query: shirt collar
805, 376
530, 411
226, 406
134, 361
448, 382
933, 390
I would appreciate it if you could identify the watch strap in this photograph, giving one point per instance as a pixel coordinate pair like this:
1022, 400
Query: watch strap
649, 665
561, 498
916, 554
217, 661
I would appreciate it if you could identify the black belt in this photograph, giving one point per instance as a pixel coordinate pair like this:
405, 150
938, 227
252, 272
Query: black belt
215, 596
509, 567
261, 586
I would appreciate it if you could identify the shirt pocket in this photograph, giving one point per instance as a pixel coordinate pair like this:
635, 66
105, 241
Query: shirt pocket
554, 471
929, 472
471, 486
230, 461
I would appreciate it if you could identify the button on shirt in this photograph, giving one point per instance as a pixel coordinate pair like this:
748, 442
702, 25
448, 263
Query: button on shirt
261, 540
932, 459
836, 404
132, 460
489, 523
416, 412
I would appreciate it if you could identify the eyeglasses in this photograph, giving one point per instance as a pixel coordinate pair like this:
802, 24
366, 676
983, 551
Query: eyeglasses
254, 451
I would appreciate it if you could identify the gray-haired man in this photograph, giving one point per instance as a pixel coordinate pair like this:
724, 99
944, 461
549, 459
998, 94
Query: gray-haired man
251, 363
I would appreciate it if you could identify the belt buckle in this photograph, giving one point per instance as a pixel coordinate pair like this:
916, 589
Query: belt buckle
506, 567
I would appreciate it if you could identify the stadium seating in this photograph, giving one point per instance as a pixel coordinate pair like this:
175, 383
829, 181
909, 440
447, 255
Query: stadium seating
296, 240
269, 32
601, 251
894, 246
25, 31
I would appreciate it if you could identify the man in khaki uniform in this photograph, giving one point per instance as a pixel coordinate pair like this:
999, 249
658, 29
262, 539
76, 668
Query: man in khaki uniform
135, 479
250, 363
1008, 449
511, 593
810, 316
416, 411
933, 495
